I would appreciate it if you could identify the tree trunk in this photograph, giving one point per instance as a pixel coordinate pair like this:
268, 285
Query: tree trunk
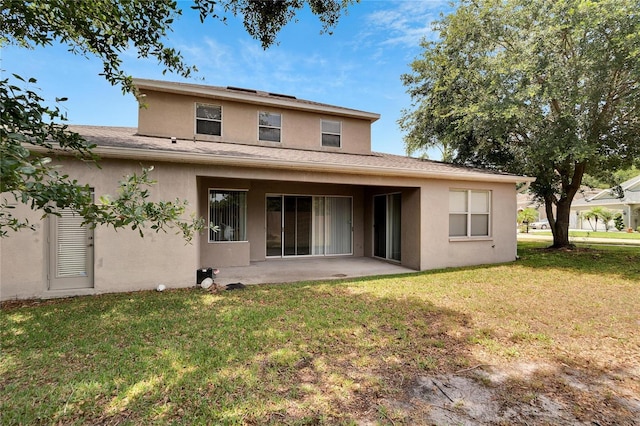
560, 227
570, 183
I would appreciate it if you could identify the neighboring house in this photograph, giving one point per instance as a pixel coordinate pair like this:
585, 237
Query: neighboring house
527, 200
625, 200
280, 177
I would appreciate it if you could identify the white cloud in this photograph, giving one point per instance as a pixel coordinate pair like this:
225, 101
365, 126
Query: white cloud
403, 23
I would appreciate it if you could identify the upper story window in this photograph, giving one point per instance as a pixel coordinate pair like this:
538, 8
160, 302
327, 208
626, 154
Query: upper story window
209, 119
469, 213
269, 126
331, 133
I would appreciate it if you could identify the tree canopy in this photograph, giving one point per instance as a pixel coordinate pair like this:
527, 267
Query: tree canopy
546, 89
104, 29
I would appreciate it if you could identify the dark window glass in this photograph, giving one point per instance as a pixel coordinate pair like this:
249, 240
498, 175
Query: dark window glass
209, 119
331, 131
331, 140
269, 134
204, 127
270, 125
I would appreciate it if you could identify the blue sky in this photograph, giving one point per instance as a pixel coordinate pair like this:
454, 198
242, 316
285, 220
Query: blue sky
358, 66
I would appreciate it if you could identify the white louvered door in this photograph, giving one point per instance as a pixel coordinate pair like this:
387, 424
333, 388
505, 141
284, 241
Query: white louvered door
71, 252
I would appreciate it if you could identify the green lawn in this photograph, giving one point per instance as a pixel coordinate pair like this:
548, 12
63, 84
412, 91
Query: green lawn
599, 234
325, 352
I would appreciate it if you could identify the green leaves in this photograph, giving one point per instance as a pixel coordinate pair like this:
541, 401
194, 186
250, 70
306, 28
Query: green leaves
547, 89
29, 178
104, 29
131, 209
263, 20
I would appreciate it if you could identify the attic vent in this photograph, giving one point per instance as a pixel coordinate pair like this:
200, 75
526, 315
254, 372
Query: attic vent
280, 95
240, 89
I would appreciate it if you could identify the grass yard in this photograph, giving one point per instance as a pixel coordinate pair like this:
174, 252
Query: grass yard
618, 235
553, 337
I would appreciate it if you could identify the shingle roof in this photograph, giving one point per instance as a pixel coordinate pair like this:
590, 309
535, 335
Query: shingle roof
631, 195
113, 140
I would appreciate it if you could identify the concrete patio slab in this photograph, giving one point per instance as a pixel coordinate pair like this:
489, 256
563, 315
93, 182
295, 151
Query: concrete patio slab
307, 269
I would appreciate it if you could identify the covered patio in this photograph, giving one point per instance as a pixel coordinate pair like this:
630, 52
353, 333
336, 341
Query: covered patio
307, 269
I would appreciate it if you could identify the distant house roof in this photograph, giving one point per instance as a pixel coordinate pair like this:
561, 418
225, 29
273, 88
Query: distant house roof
630, 187
630, 195
250, 95
123, 142
528, 200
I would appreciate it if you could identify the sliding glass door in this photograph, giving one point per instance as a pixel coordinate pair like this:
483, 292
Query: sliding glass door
309, 225
387, 218
297, 226
338, 225
274, 226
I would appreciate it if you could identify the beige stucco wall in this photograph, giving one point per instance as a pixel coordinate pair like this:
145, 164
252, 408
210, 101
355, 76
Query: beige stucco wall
22, 259
125, 262
122, 260
439, 251
172, 115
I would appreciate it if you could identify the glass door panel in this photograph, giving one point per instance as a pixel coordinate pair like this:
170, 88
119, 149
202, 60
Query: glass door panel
303, 226
306, 225
297, 226
395, 223
274, 226
339, 225
289, 231
387, 224
318, 225
380, 226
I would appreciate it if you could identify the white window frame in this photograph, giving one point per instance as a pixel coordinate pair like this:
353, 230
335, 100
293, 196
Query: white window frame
242, 222
195, 123
323, 132
469, 213
265, 126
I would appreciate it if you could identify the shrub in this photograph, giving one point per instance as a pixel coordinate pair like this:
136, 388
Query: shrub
618, 222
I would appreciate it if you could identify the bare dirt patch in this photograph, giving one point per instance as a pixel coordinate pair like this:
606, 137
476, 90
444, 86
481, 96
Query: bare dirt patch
521, 393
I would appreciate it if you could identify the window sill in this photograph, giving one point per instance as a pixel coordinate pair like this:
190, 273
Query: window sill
457, 239
331, 148
201, 137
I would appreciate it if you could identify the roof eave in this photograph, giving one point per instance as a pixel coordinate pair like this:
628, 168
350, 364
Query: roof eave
240, 161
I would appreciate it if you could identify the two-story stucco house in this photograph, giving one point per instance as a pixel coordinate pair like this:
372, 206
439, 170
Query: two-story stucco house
280, 177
